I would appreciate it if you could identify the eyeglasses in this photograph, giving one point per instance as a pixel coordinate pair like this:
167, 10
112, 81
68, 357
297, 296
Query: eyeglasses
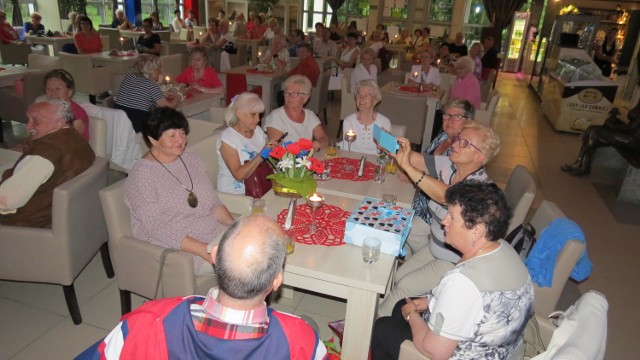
463, 143
293, 95
454, 117
364, 96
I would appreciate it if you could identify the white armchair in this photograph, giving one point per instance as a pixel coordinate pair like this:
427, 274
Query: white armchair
89, 80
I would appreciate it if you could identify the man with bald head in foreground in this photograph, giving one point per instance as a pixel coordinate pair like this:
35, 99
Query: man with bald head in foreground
232, 321
55, 153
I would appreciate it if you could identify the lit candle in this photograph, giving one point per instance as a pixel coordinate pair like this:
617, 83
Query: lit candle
166, 78
415, 74
438, 61
200, 33
396, 36
351, 132
364, 33
315, 197
259, 53
121, 39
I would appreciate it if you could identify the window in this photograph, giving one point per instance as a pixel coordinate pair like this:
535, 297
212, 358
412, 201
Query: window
319, 11
26, 6
395, 9
165, 11
101, 11
474, 19
441, 11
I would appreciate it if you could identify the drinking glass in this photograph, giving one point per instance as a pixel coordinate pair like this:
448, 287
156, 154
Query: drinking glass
258, 206
379, 172
392, 166
332, 150
389, 199
370, 249
290, 244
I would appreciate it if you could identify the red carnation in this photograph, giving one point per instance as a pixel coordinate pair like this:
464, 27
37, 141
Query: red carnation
305, 144
316, 166
278, 152
294, 148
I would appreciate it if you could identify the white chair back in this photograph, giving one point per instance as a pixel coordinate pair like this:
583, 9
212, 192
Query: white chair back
171, 65
520, 192
44, 62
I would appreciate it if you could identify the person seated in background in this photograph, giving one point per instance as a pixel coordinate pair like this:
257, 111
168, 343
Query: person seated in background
475, 53
425, 72
73, 27
120, 22
177, 23
324, 46
384, 36
190, 21
376, 42
259, 28
55, 154
479, 309
35, 26
350, 52
87, 40
199, 75
148, 43
239, 145
8, 35
277, 55
417, 39
366, 69
444, 57
431, 256
333, 33
157, 24
307, 66
295, 40
272, 26
233, 318
59, 84
171, 199
458, 47
293, 119
490, 56
239, 26
367, 95
222, 15
226, 36
466, 85
140, 93
404, 38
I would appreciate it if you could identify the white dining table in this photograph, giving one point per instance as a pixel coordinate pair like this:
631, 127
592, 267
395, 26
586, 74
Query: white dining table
122, 64
55, 42
270, 82
339, 271
9, 74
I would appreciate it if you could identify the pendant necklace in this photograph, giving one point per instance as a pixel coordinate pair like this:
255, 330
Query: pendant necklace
192, 199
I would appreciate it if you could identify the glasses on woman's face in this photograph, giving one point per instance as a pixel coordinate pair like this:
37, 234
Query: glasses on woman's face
364, 96
293, 95
454, 117
463, 143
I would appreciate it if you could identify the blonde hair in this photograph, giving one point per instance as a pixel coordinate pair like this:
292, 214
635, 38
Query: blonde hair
245, 102
301, 80
145, 65
491, 141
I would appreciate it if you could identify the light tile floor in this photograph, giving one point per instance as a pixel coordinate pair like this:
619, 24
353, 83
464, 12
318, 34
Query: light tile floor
35, 323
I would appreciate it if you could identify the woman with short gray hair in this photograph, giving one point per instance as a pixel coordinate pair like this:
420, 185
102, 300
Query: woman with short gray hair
466, 85
139, 92
367, 94
239, 145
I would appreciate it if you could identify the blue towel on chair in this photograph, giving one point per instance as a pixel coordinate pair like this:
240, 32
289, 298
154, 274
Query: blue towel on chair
542, 258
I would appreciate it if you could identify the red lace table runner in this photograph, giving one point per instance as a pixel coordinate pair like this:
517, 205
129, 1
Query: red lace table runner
330, 223
338, 172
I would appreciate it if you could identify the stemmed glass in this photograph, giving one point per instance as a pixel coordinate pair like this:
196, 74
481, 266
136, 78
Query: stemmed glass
350, 136
121, 44
314, 201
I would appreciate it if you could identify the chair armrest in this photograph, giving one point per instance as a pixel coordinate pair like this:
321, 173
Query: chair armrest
235, 203
102, 78
408, 351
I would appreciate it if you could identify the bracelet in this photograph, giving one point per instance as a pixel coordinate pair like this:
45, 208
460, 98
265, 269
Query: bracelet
421, 177
406, 317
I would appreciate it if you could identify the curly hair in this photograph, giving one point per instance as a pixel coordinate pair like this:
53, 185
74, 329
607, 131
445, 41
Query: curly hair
481, 203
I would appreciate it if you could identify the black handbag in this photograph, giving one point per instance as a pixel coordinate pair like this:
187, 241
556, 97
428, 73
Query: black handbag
229, 48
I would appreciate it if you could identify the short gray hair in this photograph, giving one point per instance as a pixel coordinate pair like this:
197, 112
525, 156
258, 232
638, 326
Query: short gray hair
246, 102
301, 80
145, 65
63, 108
371, 85
462, 104
248, 282
491, 141
119, 11
368, 51
466, 62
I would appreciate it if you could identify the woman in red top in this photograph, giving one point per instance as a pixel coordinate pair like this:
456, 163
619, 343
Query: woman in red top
8, 34
199, 75
87, 39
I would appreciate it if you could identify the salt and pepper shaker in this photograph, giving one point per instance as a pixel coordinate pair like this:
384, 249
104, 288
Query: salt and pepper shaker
291, 213
361, 168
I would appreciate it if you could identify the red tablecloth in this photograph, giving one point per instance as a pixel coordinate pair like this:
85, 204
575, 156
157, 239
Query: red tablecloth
413, 89
124, 54
255, 71
338, 172
330, 222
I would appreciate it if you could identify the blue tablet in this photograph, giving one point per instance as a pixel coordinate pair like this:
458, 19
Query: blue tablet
385, 140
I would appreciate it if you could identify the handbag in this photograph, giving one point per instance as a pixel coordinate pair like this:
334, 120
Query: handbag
230, 48
257, 184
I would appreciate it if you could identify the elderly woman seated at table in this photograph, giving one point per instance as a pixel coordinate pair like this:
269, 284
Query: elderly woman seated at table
35, 26
171, 199
87, 40
425, 72
199, 75
367, 95
479, 309
466, 85
59, 84
139, 92
8, 34
148, 43
366, 69
239, 145
475, 53
471, 150
293, 120
157, 24
404, 38
277, 55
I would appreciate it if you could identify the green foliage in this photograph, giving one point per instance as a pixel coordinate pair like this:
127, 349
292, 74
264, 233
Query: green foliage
259, 6
441, 10
66, 6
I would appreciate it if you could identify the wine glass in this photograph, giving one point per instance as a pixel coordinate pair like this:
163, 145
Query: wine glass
315, 201
350, 136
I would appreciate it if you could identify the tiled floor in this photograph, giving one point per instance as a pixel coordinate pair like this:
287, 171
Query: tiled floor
35, 323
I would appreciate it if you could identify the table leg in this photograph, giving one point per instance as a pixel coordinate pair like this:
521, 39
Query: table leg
432, 105
361, 311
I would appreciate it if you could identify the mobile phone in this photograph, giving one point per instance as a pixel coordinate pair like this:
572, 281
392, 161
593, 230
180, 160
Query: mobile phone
284, 135
385, 140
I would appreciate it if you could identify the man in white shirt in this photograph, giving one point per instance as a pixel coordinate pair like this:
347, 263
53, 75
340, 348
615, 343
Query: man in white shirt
325, 46
55, 153
177, 23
